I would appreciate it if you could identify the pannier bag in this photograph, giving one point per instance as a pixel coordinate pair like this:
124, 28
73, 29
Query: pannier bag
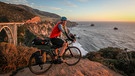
38, 41
38, 57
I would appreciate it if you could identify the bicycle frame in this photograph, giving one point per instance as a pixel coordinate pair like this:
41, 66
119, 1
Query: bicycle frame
53, 47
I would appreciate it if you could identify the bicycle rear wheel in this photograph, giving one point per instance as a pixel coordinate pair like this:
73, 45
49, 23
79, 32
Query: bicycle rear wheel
72, 55
40, 64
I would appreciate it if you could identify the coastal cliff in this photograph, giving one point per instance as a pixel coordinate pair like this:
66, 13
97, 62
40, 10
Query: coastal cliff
17, 60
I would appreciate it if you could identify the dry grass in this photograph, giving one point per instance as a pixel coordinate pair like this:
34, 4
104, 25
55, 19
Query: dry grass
13, 57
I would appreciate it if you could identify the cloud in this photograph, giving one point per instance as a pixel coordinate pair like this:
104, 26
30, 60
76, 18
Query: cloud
23, 2
16, 1
49, 7
68, 3
54, 8
82, 0
67, 10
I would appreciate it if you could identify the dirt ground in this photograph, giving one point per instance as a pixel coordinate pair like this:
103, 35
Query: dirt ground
84, 68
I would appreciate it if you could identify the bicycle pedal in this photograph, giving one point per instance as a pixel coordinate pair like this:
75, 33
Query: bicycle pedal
60, 61
55, 61
54, 54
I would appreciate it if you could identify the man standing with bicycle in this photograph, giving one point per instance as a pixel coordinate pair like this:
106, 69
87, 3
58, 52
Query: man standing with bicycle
59, 28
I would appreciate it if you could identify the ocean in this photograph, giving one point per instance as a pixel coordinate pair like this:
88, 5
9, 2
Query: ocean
103, 34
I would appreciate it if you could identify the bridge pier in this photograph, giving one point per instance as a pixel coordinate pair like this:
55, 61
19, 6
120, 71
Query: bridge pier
11, 31
15, 34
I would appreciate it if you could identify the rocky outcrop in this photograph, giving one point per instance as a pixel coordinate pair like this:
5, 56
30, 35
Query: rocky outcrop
83, 68
41, 29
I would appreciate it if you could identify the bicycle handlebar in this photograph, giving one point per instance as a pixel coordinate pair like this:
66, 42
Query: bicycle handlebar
71, 42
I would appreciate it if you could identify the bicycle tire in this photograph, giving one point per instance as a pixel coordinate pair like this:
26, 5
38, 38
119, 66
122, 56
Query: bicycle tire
38, 68
72, 55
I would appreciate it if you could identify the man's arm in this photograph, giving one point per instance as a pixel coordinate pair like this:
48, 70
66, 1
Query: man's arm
63, 30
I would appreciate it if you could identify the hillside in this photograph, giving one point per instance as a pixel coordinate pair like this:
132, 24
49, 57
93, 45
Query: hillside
83, 68
11, 13
20, 13
44, 15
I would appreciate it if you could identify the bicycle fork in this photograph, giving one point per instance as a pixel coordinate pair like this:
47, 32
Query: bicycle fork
70, 52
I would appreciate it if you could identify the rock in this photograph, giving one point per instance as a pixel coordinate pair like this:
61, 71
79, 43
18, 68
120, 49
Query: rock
84, 68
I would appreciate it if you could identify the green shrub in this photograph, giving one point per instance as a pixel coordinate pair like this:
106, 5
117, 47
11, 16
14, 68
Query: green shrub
116, 59
94, 56
132, 54
126, 67
110, 52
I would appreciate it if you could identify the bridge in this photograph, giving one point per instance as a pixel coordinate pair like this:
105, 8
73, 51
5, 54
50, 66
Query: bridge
10, 30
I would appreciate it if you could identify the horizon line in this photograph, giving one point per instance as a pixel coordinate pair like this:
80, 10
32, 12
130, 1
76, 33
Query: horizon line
99, 21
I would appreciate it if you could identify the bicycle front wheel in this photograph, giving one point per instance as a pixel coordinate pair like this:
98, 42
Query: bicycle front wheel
72, 55
39, 64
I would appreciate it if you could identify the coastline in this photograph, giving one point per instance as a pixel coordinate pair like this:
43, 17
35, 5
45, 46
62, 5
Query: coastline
103, 35
77, 44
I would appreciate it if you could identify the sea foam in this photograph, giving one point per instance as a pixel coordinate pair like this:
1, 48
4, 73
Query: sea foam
77, 44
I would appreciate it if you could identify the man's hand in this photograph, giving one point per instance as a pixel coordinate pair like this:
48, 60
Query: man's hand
74, 40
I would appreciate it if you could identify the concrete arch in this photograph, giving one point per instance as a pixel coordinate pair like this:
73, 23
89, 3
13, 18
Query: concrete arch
9, 33
11, 30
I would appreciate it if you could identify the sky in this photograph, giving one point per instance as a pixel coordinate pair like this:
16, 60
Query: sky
85, 10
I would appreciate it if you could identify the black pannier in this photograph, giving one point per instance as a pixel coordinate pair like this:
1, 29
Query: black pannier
39, 41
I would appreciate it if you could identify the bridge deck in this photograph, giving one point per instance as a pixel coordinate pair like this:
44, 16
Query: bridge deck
12, 23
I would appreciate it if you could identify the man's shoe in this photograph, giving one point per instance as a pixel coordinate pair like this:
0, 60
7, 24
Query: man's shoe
60, 60
55, 61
